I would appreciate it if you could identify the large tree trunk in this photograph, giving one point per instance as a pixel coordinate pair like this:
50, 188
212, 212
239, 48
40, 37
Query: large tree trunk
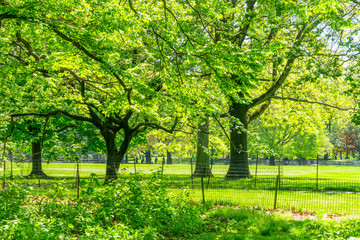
114, 156
202, 167
36, 170
168, 157
272, 160
239, 165
148, 157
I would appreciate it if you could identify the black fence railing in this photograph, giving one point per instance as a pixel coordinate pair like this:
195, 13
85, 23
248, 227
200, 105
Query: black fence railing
286, 187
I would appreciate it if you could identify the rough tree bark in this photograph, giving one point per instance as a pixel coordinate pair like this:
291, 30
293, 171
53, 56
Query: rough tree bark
202, 167
114, 155
36, 170
239, 165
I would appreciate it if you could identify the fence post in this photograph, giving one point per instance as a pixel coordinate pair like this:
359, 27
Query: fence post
256, 168
279, 174
11, 167
207, 186
135, 160
4, 180
202, 188
276, 190
162, 169
317, 172
77, 179
192, 177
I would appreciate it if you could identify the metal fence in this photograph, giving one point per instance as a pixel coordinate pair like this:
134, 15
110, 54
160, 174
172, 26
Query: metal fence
304, 194
266, 186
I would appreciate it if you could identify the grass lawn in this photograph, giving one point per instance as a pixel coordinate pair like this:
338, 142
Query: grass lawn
296, 184
69, 170
144, 209
319, 203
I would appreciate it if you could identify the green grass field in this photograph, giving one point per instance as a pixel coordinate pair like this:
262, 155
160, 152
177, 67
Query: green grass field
69, 170
297, 184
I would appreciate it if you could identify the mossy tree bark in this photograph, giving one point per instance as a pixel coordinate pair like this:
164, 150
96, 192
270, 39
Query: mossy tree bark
239, 165
36, 154
202, 167
36, 170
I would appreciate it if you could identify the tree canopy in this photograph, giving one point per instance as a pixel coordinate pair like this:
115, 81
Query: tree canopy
130, 67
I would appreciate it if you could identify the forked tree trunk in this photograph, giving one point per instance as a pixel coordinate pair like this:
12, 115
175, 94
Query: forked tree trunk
202, 167
239, 165
36, 170
114, 156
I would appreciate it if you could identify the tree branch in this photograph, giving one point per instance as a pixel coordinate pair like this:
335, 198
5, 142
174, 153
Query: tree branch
29, 49
312, 102
53, 113
249, 15
157, 126
132, 7
252, 116
95, 58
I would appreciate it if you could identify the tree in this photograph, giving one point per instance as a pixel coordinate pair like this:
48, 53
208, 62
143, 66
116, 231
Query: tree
23, 91
295, 130
117, 87
350, 136
251, 48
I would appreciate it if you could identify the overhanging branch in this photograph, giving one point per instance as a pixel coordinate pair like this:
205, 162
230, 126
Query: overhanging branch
53, 113
313, 102
259, 111
156, 126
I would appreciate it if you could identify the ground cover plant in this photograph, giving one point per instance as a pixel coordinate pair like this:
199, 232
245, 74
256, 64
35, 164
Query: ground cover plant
243, 223
138, 208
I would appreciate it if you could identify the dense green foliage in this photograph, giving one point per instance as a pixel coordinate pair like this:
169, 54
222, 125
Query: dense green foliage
110, 76
143, 209
130, 68
136, 208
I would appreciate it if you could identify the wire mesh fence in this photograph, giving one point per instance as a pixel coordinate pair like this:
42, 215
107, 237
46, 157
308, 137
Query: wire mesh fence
285, 187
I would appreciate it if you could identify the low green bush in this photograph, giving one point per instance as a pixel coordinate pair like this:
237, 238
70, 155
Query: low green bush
126, 208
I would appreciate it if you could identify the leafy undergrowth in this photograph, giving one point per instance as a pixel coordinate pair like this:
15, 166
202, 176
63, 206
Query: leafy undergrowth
244, 223
125, 209
144, 209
